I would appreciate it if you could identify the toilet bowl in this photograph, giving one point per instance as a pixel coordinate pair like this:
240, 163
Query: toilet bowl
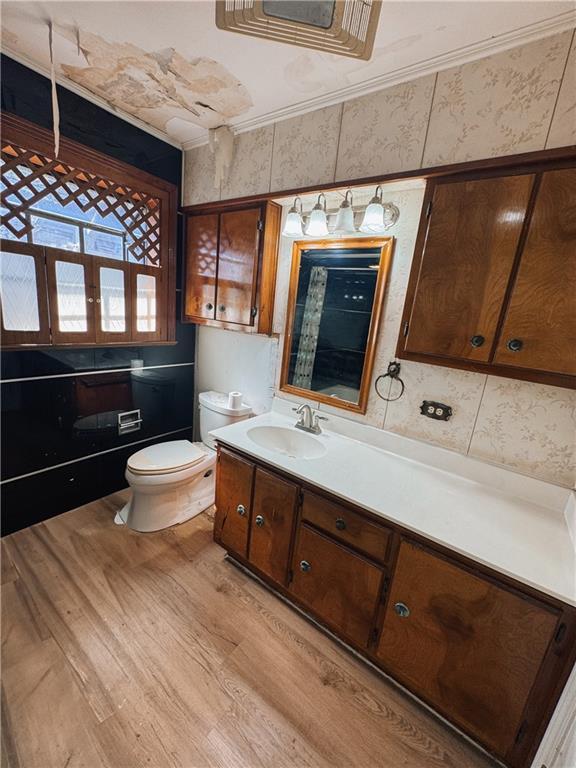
174, 481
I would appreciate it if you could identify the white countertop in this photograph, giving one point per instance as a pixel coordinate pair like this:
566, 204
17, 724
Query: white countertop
491, 520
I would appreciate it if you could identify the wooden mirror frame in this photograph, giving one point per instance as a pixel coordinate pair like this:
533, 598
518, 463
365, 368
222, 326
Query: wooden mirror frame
386, 246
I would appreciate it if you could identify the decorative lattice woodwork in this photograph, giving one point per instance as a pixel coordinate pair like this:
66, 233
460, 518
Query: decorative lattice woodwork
27, 177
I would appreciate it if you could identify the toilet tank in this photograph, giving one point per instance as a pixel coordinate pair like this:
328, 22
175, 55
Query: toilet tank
215, 413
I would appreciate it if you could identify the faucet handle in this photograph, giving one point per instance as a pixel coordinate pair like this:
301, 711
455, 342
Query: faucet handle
321, 418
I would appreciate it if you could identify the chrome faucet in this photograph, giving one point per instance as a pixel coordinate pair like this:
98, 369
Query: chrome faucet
308, 420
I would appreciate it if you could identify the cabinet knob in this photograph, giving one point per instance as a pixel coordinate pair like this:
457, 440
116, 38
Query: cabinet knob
241, 509
402, 610
209, 306
259, 521
305, 566
515, 345
340, 523
477, 340
90, 300
222, 308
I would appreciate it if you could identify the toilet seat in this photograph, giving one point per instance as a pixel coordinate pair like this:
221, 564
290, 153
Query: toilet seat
165, 458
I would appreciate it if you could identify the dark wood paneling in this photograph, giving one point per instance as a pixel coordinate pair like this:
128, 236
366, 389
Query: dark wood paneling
201, 266
238, 266
542, 309
473, 233
272, 521
339, 521
469, 647
234, 481
340, 587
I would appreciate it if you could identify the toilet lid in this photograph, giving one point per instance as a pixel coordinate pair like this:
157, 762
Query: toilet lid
165, 457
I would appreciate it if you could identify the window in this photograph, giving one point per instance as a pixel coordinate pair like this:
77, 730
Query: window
115, 222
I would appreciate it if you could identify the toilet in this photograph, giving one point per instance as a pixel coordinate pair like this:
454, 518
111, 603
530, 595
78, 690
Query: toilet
174, 481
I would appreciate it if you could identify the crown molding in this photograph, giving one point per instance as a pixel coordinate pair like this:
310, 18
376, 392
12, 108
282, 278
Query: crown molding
89, 96
552, 26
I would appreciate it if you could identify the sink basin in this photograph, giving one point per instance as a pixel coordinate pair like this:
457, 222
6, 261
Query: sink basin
290, 442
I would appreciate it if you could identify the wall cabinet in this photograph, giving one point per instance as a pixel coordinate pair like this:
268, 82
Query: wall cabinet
230, 266
50, 296
494, 276
491, 655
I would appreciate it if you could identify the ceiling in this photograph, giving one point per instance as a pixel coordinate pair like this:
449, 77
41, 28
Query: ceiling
166, 67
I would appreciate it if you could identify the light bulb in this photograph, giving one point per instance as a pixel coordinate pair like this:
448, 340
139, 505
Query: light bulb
345, 218
318, 223
373, 221
293, 223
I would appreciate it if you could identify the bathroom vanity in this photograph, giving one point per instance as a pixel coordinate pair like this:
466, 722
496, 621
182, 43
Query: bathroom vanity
454, 586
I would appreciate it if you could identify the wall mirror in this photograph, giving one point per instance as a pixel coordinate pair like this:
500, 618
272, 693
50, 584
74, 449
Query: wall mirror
334, 305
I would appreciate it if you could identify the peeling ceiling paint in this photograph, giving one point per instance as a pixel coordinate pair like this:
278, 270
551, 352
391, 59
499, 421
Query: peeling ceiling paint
159, 86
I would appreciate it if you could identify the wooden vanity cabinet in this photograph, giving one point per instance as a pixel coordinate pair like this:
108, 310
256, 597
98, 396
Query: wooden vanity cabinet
488, 653
230, 266
340, 587
272, 522
235, 479
493, 279
464, 644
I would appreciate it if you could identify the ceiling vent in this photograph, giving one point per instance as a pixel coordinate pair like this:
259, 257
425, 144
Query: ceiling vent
343, 27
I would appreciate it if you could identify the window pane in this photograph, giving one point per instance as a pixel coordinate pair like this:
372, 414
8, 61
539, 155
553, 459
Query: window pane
19, 292
146, 303
112, 301
71, 296
57, 234
103, 244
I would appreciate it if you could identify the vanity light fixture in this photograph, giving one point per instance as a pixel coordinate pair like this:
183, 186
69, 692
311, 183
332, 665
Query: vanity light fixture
293, 224
318, 223
373, 220
379, 216
345, 218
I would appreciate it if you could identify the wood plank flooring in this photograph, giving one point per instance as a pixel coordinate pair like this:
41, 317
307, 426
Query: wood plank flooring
125, 650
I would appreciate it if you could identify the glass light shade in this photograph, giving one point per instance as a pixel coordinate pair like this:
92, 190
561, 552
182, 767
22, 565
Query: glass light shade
317, 224
373, 221
345, 218
293, 224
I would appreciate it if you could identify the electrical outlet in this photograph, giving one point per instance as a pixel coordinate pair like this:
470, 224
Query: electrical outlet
435, 410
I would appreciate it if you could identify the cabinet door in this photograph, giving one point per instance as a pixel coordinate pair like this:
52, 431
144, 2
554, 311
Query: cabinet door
469, 647
148, 292
340, 587
238, 266
113, 305
23, 295
539, 330
234, 478
273, 510
470, 246
201, 266
71, 295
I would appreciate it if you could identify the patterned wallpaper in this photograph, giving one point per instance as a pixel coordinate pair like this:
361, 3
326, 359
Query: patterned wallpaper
519, 100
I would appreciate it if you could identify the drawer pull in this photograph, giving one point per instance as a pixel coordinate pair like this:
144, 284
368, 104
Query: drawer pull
402, 610
477, 341
259, 521
305, 566
241, 509
340, 523
515, 345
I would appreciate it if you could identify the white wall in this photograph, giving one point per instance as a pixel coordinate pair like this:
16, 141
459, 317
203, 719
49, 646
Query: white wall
228, 360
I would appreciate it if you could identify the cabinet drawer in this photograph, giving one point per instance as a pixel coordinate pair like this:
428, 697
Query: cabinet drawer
347, 526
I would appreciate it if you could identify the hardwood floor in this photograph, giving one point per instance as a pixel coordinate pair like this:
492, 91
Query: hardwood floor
125, 650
